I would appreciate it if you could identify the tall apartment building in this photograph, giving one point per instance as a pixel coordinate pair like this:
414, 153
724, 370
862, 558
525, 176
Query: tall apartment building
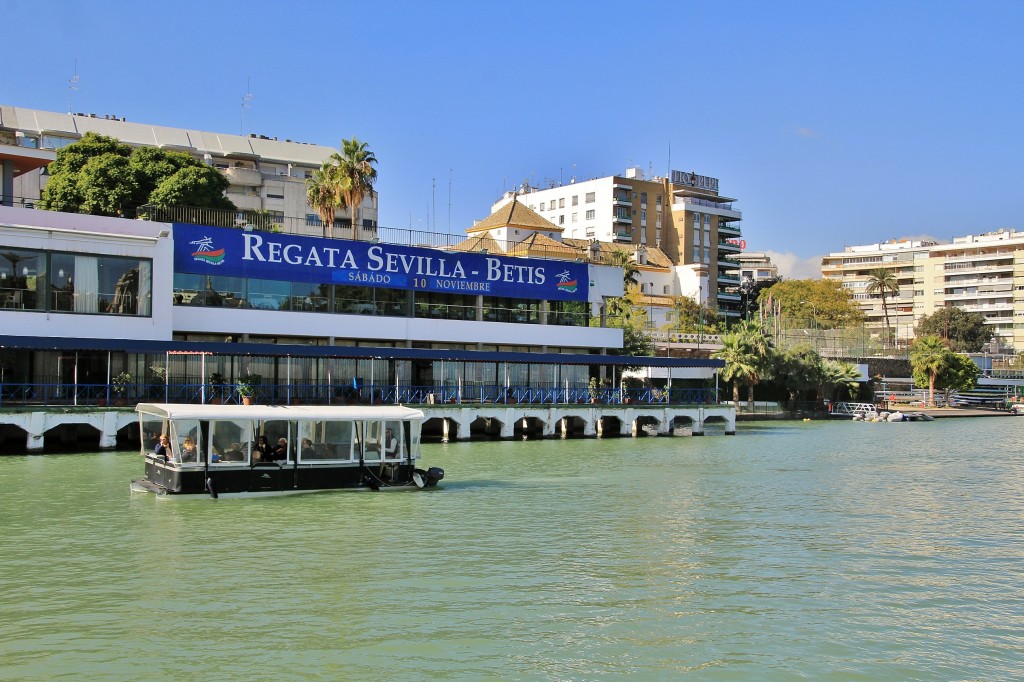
683, 215
265, 174
978, 273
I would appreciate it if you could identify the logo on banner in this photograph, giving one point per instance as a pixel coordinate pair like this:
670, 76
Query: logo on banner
564, 283
205, 253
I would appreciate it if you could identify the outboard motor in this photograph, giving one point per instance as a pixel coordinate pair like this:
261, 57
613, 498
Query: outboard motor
434, 474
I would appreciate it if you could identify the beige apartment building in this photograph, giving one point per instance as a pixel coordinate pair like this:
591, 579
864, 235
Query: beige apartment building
683, 215
979, 273
265, 174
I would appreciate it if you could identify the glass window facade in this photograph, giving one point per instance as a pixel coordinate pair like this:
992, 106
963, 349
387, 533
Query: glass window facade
60, 282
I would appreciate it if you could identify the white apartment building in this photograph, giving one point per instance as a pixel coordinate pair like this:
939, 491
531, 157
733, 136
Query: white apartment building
265, 173
979, 273
524, 232
755, 266
683, 215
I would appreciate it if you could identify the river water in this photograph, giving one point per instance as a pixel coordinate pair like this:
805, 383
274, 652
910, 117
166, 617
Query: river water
838, 551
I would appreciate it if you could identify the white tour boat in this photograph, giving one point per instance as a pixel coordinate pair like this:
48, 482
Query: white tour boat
254, 449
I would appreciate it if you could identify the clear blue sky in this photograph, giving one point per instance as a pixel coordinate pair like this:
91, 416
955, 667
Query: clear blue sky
832, 123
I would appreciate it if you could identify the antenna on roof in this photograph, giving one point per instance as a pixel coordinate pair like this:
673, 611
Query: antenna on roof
72, 86
246, 107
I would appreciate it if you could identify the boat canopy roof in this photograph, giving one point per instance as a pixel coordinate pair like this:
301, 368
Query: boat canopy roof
284, 412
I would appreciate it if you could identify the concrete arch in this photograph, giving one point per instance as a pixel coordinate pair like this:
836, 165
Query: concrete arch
529, 428
487, 428
646, 425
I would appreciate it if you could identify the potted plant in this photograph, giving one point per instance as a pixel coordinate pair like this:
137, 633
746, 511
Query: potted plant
218, 381
246, 387
120, 384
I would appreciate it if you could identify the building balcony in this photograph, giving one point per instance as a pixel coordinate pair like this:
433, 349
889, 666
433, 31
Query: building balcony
619, 201
729, 279
623, 219
244, 177
729, 230
246, 202
729, 296
623, 236
728, 247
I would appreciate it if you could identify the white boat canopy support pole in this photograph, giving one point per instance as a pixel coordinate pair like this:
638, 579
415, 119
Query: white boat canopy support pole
202, 365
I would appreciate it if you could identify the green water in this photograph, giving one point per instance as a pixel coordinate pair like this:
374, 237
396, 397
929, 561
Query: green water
837, 551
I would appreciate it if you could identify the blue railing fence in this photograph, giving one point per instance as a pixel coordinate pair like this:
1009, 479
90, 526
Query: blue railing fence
101, 395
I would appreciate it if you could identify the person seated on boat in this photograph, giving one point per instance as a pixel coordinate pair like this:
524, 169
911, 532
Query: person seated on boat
281, 452
234, 453
307, 449
188, 450
390, 444
163, 446
262, 450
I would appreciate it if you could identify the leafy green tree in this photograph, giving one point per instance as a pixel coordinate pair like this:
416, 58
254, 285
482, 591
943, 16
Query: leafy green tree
630, 315
101, 176
883, 281
750, 291
966, 332
689, 317
960, 374
798, 369
824, 300
929, 357
193, 186
355, 167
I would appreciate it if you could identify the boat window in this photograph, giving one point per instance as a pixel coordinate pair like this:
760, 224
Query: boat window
230, 441
275, 430
150, 429
328, 440
186, 441
394, 440
413, 436
371, 443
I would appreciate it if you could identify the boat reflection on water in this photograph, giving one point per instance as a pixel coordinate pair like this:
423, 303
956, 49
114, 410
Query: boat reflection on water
261, 450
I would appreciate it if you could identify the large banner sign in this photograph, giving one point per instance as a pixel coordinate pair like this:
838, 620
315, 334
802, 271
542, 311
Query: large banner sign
268, 255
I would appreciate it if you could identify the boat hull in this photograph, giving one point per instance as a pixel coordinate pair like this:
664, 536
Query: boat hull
275, 479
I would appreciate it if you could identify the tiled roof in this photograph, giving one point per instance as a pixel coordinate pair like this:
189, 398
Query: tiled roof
514, 214
479, 243
543, 246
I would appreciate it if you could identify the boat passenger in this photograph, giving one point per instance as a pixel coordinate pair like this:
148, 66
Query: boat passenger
282, 449
188, 450
307, 449
163, 446
390, 444
262, 450
234, 453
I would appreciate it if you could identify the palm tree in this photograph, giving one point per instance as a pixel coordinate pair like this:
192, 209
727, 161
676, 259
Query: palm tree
357, 175
323, 194
883, 281
740, 363
760, 347
630, 271
930, 355
837, 374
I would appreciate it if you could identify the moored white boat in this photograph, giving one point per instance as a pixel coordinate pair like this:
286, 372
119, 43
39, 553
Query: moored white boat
216, 449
